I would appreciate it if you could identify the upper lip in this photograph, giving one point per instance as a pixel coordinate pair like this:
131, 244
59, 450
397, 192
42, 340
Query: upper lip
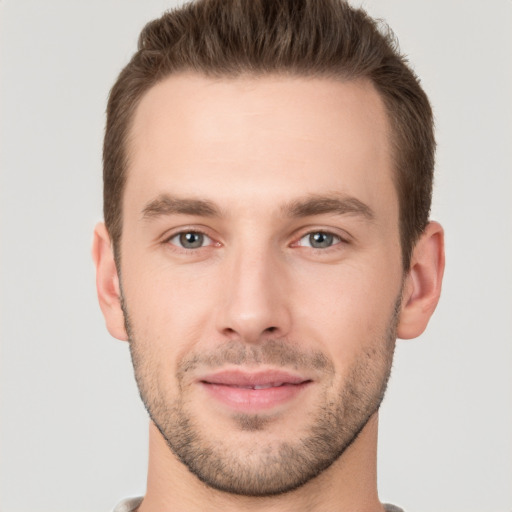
248, 379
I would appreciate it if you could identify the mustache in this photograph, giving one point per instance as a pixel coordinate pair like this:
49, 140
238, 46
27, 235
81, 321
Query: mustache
274, 352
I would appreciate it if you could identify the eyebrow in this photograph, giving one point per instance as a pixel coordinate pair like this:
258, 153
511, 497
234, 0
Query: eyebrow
337, 204
308, 206
167, 205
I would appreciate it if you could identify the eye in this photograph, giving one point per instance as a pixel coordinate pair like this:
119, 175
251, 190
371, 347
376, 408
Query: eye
319, 240
190, 240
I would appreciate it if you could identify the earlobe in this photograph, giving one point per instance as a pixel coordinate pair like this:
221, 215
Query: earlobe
107, 283
422, 286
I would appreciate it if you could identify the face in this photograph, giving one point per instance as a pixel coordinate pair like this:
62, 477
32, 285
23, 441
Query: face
261, 272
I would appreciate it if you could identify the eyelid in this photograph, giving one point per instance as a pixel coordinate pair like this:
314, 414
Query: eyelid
343, 237
206, 239
336, 240
169, 235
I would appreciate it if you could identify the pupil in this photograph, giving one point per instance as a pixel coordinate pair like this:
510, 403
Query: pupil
320, 240
191, 240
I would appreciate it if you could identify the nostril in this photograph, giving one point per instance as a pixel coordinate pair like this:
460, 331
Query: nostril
271, 329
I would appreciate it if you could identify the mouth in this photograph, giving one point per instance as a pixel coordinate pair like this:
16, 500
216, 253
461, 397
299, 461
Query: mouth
254, 391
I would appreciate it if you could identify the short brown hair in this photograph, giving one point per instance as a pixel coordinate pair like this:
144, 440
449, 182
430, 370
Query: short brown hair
314, 38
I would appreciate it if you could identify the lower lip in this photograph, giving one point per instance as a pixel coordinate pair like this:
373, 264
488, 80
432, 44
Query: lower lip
253, 400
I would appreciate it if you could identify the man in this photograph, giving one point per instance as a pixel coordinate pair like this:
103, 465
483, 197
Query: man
267, 184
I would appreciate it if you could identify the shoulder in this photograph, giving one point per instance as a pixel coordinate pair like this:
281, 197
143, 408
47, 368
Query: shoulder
128, 505
391, 508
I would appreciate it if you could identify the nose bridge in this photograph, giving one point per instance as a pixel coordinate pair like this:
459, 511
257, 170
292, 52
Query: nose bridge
254, 304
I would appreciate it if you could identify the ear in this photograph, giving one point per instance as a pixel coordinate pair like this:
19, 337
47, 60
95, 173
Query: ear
423, 283
107, 283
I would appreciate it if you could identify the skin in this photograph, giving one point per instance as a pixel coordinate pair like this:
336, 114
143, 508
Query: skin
251, 150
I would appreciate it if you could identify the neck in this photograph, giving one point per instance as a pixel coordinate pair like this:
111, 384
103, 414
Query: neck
350, 484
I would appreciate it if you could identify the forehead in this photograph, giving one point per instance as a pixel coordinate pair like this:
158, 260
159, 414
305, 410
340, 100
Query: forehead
270, 136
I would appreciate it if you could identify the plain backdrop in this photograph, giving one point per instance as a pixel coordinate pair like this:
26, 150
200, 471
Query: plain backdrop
73, 430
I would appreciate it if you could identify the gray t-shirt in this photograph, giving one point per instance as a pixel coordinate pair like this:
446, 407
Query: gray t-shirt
131, 504
128, 505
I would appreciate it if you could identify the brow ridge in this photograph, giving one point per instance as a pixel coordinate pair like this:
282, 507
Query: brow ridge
335, 203
169, 205
303, 207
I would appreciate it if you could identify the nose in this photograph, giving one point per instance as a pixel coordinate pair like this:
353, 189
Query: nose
255, 302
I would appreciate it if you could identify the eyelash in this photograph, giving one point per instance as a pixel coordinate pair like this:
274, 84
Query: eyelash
186, 232
338, 240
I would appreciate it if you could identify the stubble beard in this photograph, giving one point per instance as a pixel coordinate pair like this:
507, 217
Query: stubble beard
270, 468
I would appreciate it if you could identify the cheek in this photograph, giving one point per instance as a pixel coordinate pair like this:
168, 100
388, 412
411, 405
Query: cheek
348, 309
169, 309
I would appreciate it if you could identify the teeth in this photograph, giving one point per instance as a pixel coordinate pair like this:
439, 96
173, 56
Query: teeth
263, 386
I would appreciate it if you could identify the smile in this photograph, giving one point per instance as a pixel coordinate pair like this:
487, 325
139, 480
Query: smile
253, 392
263, 386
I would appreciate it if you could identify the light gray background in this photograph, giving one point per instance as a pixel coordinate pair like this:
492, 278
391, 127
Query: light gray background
73, 432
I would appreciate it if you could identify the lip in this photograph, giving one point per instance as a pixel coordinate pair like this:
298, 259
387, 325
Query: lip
246, 391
